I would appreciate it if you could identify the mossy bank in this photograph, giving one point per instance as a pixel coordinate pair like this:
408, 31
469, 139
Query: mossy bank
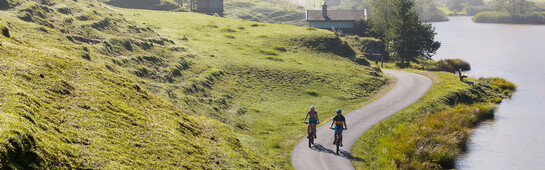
432, 132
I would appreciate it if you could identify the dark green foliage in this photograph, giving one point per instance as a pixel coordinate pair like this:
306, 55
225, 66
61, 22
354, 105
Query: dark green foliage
65, 10
427, 11
102, 24
20, 152
503, 17
362, 61
5, 32
6, 4
455, 5
473, 10
86, 56
410, 38
141, 71
448, 65
363, 29
83, 17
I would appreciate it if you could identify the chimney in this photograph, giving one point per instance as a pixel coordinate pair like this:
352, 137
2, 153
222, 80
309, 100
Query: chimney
324, 10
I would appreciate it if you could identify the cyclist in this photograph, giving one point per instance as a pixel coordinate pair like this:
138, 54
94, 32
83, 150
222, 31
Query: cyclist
339, 121
312, 116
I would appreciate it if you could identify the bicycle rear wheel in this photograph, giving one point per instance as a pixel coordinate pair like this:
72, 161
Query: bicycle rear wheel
338, 146
310, 139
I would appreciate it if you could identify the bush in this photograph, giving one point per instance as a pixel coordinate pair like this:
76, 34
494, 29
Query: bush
448, 65
504, 17
5, 32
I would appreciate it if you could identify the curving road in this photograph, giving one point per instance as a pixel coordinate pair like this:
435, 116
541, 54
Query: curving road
407, 90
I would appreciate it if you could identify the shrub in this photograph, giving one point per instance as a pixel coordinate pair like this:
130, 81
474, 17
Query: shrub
504, 17
5, 32
448, 65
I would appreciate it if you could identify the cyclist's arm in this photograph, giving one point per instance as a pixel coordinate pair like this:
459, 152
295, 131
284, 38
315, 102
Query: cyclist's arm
306, 117
344, 122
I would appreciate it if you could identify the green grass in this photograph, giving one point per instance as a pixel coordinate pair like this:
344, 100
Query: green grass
273, 73
68, 97
432, 132
126, 88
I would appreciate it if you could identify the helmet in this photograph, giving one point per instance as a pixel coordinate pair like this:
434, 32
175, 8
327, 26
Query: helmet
339, 111
312, 108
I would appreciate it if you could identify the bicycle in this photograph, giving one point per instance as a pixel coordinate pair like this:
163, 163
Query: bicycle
338, 139
310, 135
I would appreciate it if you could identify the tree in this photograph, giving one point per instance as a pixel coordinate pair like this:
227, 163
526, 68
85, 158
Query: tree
427, 11
380, 17
516, 7
455, 5
408, 37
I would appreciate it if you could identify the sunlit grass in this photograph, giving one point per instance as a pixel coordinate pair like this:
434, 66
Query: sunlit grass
274, 74
432, 132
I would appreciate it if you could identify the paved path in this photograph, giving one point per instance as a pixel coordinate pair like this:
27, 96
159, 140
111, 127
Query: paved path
407, 90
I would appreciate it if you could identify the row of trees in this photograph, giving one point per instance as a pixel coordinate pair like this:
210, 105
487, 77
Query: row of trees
397, 24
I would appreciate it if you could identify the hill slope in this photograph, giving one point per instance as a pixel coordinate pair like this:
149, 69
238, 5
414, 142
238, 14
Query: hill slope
60, 105
138, 88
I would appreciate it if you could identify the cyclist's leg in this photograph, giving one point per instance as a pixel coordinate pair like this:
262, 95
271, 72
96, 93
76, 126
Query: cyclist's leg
335, 135
308, 130
314, 129
341, 136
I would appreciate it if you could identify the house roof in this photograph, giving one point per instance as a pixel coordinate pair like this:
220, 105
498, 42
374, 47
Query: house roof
336, 15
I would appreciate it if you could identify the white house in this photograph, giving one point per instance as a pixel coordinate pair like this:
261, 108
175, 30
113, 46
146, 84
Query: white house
338, 19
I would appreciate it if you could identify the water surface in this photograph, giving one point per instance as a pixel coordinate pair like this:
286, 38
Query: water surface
515, 139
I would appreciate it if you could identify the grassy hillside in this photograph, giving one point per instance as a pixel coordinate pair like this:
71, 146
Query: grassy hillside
269, 11
273, 73
84, 86
61, 104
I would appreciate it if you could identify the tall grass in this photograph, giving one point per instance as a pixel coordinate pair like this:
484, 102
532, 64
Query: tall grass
504, 17
448, 65
432, 132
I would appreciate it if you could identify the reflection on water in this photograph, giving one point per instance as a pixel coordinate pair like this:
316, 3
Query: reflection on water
516, 138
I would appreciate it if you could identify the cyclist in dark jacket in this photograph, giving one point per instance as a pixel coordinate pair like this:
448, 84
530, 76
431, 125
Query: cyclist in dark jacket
339, 121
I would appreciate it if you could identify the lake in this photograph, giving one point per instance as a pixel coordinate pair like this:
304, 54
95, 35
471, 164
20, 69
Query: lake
515, 139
